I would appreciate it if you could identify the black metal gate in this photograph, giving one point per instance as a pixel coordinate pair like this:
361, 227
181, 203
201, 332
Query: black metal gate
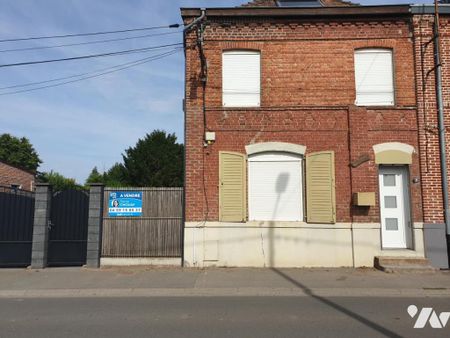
68, 228
16, 227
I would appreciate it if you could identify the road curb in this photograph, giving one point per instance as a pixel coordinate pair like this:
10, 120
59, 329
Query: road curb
224, 292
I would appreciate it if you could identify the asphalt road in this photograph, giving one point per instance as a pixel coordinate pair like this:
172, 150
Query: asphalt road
215, 317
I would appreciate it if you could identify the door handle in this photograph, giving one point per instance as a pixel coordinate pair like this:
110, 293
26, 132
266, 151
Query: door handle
49, 225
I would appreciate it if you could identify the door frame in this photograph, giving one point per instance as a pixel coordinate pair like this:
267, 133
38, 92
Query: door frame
407, 209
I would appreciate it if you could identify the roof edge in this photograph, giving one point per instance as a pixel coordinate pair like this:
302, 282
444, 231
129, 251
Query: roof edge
429, 9
31, 172
295, 11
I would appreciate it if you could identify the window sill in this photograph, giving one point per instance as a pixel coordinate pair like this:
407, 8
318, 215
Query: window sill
377, 106
394, 107
240, 107
400, 252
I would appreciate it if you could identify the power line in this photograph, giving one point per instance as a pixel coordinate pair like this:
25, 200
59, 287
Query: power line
87, 43
72, 76
118, 68
76, 75
123, 52
177, 25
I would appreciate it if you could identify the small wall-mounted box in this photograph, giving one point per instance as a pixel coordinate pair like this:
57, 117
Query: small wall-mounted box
364, 199
210, 136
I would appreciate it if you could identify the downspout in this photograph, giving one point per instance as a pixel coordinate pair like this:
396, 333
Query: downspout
349, 148
441, 124
185, 30
192, 24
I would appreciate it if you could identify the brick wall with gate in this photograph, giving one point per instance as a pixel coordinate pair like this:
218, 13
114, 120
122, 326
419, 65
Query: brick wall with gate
60, 229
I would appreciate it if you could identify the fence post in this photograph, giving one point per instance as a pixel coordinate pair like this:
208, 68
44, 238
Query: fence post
43, 200
94, 244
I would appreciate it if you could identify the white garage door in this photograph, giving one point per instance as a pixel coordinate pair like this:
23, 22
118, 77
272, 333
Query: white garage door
275, 187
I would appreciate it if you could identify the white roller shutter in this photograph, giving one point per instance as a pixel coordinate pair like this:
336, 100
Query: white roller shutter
374, 77
241, 77
275, 187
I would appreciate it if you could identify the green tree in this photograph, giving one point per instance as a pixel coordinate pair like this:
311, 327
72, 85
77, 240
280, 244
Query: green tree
116, 176
95, 177
18, 152
155, 161
58, 181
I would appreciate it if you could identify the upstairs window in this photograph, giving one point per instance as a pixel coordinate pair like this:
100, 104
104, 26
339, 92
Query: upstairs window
241, 78
374, 78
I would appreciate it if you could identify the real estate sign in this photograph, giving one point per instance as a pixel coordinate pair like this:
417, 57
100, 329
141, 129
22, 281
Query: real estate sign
125, 204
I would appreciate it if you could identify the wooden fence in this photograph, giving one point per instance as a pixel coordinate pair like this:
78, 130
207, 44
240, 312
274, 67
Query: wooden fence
158, 233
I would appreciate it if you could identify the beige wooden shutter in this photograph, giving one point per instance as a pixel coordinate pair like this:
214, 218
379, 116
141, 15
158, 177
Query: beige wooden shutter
232, 201
320, 187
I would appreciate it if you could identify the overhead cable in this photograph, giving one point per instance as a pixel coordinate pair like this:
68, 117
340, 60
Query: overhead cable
90, 56
28, 84
117, 68
177, 25
87, 43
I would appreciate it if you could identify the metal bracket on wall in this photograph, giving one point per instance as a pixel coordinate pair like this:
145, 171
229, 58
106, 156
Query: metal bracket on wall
360, 160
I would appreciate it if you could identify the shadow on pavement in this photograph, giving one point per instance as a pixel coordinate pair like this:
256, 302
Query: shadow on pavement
337, 307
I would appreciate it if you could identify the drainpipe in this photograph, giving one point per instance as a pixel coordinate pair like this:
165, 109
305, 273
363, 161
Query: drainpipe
185, 30
192, 24
441, 124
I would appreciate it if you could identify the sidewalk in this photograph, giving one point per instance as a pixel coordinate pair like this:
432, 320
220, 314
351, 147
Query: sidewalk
149, 282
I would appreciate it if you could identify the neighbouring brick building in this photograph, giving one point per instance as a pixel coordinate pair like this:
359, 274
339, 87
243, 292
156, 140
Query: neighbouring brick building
11, 176
309, 135
422, 23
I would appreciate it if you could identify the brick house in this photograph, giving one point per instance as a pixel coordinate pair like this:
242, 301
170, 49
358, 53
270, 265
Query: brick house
306, 144
422, 23
11, 176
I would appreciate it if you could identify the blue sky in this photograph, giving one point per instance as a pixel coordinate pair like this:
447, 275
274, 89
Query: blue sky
89, 123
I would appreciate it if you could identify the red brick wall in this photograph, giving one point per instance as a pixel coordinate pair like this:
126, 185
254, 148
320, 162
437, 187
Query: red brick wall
11, 175
427, 112
308, 93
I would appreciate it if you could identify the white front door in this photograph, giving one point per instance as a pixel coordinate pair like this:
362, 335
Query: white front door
394, 206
